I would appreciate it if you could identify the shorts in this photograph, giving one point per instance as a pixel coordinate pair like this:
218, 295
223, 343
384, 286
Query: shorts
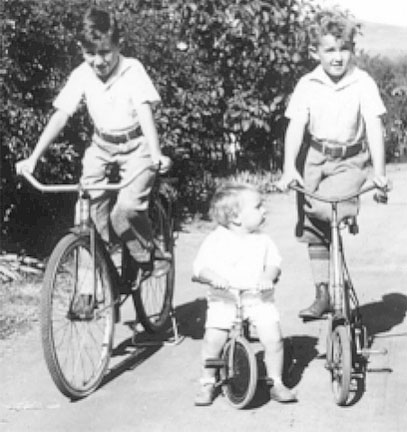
221, 314
131, 157
328, 177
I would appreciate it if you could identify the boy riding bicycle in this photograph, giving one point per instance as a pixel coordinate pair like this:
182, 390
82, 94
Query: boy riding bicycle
119, 95
336, 109
237, 254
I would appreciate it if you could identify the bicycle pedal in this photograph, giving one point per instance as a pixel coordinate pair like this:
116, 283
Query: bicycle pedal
214, 363
366, 352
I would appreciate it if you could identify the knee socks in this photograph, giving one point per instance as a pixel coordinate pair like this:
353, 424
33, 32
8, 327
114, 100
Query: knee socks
319, 258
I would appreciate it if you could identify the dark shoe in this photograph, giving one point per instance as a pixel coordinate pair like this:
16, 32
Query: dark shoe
205, 395
320, 304
280, 393
159, 265
83, 307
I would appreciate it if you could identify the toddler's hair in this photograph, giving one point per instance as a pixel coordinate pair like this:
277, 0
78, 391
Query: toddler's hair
97, 25
226, 202
333, 22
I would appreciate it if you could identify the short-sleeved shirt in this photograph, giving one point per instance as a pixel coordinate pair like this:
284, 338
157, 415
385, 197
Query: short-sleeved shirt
336, 111
112, 105
240, 259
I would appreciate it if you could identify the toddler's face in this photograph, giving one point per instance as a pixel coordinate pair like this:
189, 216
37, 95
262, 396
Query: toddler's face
252, 212
102, 58
335, 56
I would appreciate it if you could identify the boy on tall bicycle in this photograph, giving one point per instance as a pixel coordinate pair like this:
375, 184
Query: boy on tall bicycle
119, 96
336, 109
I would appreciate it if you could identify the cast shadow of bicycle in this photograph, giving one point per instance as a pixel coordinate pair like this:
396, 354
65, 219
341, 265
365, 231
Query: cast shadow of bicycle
135, 350
379, 318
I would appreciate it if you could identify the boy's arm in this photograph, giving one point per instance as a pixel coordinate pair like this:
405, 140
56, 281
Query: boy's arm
293, 140
374, 132
54, 126
149, 129
209, 276
269, 277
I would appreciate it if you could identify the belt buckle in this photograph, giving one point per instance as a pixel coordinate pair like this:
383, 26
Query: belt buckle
128, 136
344, 150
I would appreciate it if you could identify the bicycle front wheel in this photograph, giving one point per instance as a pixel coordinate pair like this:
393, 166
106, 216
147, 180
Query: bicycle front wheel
76, 347
240, 372
341, 367
153, 298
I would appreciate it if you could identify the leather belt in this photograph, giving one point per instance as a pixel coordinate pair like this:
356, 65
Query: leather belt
120, 138
337, 150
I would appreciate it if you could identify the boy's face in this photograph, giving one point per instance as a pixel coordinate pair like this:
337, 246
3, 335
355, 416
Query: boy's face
335, 56
103, 57
252, 212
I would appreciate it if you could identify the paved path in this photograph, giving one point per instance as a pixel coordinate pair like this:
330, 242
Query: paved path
152, 389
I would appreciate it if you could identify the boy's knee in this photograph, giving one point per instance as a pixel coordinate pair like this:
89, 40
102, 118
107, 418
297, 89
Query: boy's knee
129, 209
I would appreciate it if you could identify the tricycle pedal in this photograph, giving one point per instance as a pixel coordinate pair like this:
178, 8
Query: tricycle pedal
214, 363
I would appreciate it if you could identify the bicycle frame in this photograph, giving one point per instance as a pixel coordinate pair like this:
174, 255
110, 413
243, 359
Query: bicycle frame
85, 225
340, 275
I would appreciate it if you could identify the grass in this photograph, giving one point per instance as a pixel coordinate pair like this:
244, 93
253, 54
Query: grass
19, 306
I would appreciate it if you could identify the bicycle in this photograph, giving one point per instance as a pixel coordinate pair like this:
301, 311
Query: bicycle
238, 372
78, 345
347, 339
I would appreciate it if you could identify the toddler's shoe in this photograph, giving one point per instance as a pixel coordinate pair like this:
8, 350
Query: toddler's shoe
280, 393
205, 394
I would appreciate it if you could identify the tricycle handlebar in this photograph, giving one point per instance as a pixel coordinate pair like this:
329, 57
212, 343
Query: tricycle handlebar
231, 288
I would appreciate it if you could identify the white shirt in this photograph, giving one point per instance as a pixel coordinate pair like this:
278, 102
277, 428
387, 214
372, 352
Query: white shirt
335, 111
112, 105
240, 259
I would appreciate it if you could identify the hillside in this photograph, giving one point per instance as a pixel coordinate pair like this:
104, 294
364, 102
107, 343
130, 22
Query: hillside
382, 39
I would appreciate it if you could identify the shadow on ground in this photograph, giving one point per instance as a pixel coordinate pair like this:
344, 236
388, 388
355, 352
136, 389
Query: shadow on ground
382, 316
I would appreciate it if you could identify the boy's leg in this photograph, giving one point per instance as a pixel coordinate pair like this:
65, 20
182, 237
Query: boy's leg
319, 259
219, 321
129, 216
266, 319
93, 172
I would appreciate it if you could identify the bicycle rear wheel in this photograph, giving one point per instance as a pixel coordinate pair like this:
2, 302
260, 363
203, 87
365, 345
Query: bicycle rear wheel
153, 298
76, 348
240, 372
341, 367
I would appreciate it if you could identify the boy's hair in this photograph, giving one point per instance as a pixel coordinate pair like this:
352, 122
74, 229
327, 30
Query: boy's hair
98, 24
226, 202
333, 22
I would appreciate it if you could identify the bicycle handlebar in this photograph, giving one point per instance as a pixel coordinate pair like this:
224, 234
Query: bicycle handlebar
78, 186
335, 199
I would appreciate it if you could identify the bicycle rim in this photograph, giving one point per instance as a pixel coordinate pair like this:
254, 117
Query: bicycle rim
240, 373
341, 369
76, 350
153, 298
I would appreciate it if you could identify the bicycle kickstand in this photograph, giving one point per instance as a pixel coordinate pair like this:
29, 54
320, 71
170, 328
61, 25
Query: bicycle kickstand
175, 339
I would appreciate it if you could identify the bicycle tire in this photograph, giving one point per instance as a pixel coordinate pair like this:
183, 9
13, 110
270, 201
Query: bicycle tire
341, 370
240, 373
153, 297
77, 351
